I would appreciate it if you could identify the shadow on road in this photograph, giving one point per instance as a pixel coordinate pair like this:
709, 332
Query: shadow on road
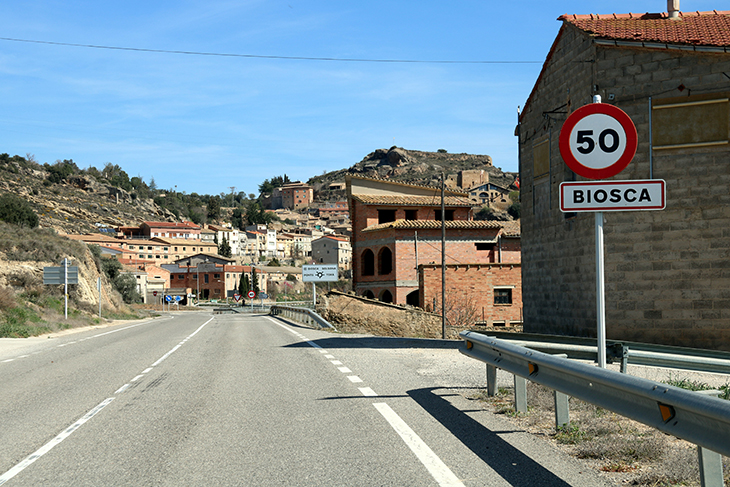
509, 462
379, 342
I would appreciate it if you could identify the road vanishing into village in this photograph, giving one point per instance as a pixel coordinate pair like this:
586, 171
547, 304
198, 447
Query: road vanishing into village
202, 399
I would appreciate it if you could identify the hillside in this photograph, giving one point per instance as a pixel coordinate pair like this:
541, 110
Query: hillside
410, 166
78, 203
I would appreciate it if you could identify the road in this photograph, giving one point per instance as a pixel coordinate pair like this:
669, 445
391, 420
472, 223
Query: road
201, 399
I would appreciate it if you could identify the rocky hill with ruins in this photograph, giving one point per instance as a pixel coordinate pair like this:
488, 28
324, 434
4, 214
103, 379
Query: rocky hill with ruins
411, 166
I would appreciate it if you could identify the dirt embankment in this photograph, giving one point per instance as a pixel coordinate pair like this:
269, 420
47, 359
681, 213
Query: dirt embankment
355, 314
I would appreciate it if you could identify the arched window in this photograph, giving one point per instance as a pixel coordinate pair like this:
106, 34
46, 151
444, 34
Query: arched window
368, 263
413, 298
385, 261
368, 294
386, 296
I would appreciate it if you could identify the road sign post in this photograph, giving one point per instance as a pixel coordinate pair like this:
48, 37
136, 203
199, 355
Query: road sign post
598, 141
319, 273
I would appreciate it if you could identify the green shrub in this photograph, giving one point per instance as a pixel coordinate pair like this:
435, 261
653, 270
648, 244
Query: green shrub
17, 211
126, 284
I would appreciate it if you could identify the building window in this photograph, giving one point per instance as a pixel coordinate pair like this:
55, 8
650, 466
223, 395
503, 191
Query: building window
368, 263
541, 158
695, 121
205, 278
411, 214
484, 246
448, 216
503, 296
385, 261
216, 276
180, 276
385, 216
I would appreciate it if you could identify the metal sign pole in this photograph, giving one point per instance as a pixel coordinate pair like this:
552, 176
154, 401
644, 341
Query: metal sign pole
98, 286
65, 288
600, 292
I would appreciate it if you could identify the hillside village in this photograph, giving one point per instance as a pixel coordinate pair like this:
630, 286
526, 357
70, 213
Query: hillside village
262, 246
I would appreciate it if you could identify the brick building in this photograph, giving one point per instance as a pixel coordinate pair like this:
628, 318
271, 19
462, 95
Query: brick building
178, 230
666, 272
216, 277
294, 195
396, 245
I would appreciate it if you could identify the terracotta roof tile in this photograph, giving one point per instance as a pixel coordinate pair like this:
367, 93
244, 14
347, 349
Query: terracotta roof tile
405, 184
692, 28
436, 224
407, 200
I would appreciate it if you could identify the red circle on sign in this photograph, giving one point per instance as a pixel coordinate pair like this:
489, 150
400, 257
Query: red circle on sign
251, 294
577, 144
154, 293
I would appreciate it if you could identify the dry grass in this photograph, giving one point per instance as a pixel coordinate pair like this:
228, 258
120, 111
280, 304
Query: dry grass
625, 450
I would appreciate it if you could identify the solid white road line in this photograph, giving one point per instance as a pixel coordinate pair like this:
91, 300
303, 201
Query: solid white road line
438, 469
48, 446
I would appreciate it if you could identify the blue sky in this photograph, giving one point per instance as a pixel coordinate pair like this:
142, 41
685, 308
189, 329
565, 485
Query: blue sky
206, 123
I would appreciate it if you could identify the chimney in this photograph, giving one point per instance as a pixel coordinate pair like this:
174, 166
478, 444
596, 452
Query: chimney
673, 9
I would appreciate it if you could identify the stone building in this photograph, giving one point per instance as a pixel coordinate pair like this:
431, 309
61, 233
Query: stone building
667, 273
332, 249
396, 249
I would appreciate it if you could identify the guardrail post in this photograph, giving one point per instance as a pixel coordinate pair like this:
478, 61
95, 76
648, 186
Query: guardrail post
520, 394
491, 380
562, 413
710, 461
710, 468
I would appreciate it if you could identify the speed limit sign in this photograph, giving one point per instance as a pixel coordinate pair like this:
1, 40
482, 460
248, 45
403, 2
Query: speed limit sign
598, 141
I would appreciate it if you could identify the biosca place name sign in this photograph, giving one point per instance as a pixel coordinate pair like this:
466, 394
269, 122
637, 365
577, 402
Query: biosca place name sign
630, 195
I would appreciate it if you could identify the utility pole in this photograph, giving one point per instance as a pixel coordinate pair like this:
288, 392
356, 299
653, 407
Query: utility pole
443, 259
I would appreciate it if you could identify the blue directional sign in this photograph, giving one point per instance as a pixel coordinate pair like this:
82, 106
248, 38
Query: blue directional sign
168, 298
178, 298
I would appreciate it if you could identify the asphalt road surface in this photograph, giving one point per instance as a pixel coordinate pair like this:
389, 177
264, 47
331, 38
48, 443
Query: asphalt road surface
201, 399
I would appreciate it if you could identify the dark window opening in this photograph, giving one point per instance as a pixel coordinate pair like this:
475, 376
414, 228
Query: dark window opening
368, 263
502, 296
385, 261
368, 294
385, 216
448, 216
411, 214
413, 298
484, 246
386, 296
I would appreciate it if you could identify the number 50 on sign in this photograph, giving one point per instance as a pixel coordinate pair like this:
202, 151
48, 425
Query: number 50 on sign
598, 141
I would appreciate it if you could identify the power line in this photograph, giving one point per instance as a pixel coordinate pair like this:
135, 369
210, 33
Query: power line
264, 56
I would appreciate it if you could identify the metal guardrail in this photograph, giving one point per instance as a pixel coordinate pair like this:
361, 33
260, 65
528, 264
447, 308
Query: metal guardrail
698, 418
634, 353
302, 315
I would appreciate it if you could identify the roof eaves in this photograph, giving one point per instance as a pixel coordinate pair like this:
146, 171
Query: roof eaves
401, 183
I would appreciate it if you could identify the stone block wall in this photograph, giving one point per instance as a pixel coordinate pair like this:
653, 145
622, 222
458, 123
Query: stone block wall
667, 272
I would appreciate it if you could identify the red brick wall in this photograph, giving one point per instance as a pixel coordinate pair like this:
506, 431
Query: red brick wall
472, 286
